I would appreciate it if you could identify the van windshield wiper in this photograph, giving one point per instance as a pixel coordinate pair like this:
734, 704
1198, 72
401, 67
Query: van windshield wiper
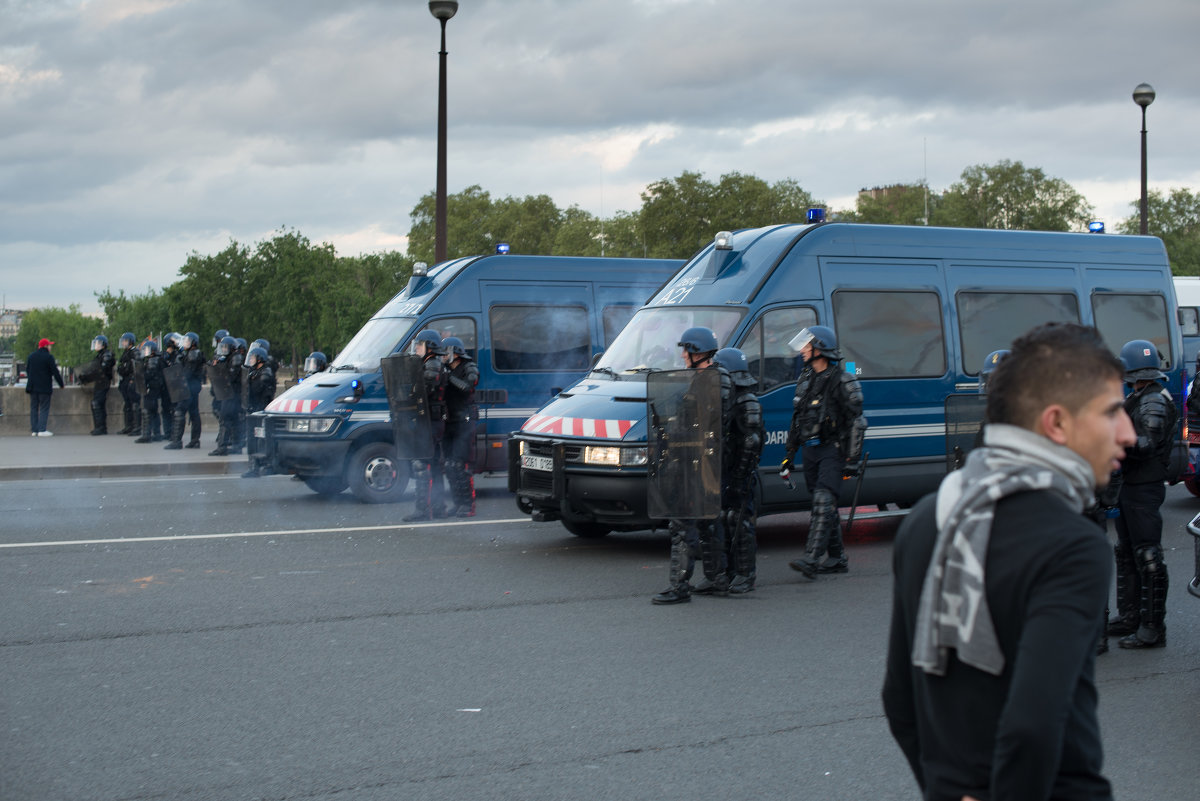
644, 370
345, 367
606, 371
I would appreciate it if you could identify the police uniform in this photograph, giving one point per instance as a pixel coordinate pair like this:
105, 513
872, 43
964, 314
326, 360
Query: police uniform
741, 448
427, 503
461, 414
131, 400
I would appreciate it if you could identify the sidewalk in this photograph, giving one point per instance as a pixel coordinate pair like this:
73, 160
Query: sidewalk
111, 456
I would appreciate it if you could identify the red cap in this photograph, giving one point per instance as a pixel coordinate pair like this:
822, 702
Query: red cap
44, 342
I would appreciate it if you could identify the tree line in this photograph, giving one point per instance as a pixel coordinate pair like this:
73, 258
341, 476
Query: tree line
303, 296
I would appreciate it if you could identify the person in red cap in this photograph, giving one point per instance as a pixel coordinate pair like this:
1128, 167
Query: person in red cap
41, 368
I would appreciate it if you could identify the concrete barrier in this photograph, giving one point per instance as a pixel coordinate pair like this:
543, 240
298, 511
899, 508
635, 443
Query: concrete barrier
70, 410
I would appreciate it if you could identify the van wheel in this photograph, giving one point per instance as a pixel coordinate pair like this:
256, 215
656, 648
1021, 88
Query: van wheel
1193, 485
586, 530
374, 474
325, 485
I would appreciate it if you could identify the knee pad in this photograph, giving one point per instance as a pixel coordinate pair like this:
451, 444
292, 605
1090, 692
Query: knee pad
1150, 559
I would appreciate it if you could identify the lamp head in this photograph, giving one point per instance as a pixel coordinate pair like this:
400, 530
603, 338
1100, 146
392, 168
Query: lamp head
1143, 93
443, 9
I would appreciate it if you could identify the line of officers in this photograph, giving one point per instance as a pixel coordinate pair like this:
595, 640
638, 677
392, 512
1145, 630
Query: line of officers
161, 387
827, 430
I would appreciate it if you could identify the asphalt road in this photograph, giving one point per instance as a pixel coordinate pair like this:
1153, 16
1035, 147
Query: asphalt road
251, 640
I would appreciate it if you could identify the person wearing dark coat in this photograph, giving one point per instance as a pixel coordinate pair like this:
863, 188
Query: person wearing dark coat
41, 369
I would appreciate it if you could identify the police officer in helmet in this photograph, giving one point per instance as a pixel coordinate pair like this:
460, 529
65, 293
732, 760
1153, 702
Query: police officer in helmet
827, 429
741, 448
132, 401
1141, 571
260, 391
461, 377
315, 363
100, 371
699, 346
155, 389
427, 474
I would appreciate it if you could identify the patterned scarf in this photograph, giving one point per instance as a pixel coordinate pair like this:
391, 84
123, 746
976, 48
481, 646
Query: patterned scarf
953, 611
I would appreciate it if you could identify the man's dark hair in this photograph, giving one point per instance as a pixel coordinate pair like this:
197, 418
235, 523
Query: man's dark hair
1064, 363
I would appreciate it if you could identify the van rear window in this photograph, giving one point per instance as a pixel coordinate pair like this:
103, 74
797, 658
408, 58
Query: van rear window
990, 321
890, 334
540, 338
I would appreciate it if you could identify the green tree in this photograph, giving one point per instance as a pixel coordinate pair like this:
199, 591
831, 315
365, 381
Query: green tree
143, 315
214, 292
1174, 218
70, 330
1009, 195
899, 204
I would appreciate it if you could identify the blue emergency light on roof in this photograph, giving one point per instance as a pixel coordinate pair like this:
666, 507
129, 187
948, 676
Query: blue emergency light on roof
420, 268
723, 240
502, 248
816, 215
1096, 227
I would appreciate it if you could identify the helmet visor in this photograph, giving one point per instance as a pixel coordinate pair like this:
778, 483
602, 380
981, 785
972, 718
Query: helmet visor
798, 342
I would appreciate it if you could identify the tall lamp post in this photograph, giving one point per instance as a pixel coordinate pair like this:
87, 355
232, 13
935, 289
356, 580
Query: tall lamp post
442, 10
1143, 95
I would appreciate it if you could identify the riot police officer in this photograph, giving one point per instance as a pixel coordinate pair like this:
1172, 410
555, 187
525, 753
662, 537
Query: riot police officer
131, 400
170, 353
152, 367
218, 336
428, 346
191, 357
1141, 571
457, 446
315, 363
236, 374
271, 361
741, 448
260, 391
699, 345
226, 367
100, 372
828, 429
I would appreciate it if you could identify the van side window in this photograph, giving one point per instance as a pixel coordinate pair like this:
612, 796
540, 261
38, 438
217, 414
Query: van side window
540, 337
615, 318
1189, 321
890, 334
461, 327
1121, 318
772, 362
990, 321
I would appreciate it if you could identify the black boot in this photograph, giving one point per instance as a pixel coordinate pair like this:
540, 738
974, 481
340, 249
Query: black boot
823, 520
146, 428
99, 422
1152, 631
422, 494
682, 561
1129, 591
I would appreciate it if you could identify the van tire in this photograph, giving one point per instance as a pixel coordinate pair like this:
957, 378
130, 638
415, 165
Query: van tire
374, 474
325, 485
1193, 485
585, 529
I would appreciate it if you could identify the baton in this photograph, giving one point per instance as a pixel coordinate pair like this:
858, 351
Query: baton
862, 471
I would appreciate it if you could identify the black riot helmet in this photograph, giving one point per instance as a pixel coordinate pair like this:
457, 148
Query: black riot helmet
432, 340
191, 341
217, 337
990, 363
227, 346
100, 342
149, 348
823, 340
173, 340
241, 343
454, 345
698, 340
1141, 360
129, 338
315, 363
262, 343
256, 356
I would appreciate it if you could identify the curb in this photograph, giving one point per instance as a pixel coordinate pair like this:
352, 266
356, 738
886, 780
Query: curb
41, 472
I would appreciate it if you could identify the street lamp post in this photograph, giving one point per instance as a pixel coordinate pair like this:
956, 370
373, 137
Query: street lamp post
1143, 95
442, 10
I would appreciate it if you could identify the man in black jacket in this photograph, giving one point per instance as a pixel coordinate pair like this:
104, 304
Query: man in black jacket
1000, 585
41, 369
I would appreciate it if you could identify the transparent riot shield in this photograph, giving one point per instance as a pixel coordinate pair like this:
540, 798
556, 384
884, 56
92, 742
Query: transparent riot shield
176, 380
404, 381
683, 408
964, 424
139, 377
218, 379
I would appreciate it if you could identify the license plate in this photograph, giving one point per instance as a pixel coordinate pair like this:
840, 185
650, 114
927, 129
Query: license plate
537, 463
260, 432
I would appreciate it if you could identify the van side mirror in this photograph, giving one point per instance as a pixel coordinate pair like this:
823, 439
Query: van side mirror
596, 357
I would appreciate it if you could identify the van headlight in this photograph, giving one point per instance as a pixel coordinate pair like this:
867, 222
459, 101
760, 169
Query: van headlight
310, 425
609, 456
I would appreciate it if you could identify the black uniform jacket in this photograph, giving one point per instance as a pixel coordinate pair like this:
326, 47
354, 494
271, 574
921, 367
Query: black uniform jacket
1030, 733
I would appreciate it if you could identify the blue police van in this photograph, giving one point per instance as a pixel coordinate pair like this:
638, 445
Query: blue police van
534, 325
916, 310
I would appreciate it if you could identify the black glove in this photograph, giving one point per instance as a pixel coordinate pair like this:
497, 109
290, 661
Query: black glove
787, 466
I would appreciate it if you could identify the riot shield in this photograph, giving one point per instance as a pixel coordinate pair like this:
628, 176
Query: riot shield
218, 379
404, 380
683, 408
244, 387
964, 423
176, 380
139, 377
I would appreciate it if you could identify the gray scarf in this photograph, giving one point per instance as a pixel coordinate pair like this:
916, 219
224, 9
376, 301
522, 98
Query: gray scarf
953, 612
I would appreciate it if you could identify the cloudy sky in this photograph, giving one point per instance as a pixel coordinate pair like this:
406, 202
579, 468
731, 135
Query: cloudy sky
133, 132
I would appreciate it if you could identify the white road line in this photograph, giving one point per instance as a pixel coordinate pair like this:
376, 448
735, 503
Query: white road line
282, 533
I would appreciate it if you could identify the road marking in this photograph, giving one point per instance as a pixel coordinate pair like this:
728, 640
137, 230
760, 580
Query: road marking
282, 533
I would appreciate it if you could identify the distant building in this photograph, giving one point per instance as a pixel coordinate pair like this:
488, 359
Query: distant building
10, 322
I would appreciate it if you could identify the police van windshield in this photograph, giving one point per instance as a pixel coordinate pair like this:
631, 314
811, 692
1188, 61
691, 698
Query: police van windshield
651, 340
378, 338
